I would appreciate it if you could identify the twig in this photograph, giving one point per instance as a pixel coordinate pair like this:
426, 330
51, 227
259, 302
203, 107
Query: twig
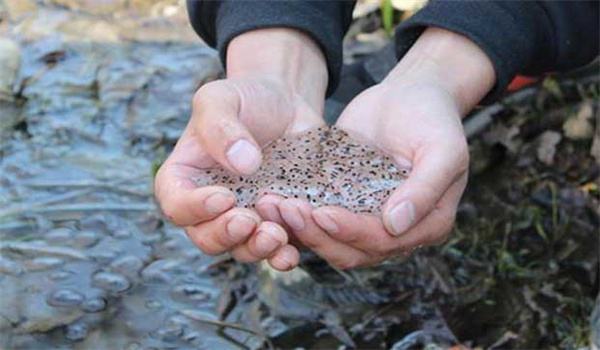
13, 225
196, 317
114, 185
222, 324
18, 209
480, 120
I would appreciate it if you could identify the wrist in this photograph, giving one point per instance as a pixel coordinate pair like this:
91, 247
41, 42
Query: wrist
450, 61
287, 56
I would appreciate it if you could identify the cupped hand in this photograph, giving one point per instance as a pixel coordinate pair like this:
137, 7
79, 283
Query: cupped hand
414, 115
420, 127
231, 120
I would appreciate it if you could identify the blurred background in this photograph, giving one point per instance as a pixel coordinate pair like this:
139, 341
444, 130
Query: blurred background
93, 95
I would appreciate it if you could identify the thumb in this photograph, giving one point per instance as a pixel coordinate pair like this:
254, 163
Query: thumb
215, 111
434, 172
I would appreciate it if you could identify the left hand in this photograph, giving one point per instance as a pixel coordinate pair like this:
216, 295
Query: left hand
414, 115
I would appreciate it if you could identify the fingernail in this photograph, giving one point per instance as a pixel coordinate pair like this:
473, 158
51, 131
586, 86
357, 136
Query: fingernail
325, 221
240, 227
218, 202
293, 218
244, 157
266, 242
270, 212
284, 261
401, 217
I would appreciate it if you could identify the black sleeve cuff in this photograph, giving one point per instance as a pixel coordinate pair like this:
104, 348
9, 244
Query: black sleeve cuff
504, 30
324, 21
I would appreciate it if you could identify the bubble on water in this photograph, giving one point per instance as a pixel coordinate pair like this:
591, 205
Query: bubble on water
60, 275
172, 330
190, 293
104, 256
153, 304
76, 331
86, 239
93, 305
133, 346
162, 271
59, 236
9, 267
111, 282
128, 265
43, 263
64, 297
121, 233
97, 222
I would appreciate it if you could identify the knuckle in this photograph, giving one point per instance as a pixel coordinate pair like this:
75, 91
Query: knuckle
206, 248
381, 249
463, 159
440, 235
171, 212
206, 91
218, 90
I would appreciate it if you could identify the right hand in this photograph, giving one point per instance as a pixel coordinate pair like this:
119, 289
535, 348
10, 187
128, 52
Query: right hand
231, 120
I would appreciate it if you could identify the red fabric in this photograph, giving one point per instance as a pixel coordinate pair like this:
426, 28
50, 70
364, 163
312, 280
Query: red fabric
520, 81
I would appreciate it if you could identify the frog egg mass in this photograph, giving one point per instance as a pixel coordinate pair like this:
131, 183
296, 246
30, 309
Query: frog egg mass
324, 166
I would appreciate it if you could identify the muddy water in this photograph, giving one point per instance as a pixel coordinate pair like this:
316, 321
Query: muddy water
85, 260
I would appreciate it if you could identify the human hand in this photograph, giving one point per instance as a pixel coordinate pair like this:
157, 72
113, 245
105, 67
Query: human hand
275, 86
414, 116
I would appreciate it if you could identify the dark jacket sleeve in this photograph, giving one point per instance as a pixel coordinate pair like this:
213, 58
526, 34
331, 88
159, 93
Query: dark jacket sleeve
326, 21
520, 37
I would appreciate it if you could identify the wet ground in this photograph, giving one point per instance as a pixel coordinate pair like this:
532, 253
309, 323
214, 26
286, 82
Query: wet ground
101, 91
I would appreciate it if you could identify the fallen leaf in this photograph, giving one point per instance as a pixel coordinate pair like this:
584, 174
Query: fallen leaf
10, 61
365, 7
505, 136
19, 8
408, 5
595, 151
547, 143
580, 126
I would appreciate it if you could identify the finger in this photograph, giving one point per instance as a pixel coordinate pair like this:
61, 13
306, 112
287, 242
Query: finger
264, 243
225, 138
225, 232
436, 227
432, 175
185, 204
367, 232
285, 259
297, 214
361, 231
267, 208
